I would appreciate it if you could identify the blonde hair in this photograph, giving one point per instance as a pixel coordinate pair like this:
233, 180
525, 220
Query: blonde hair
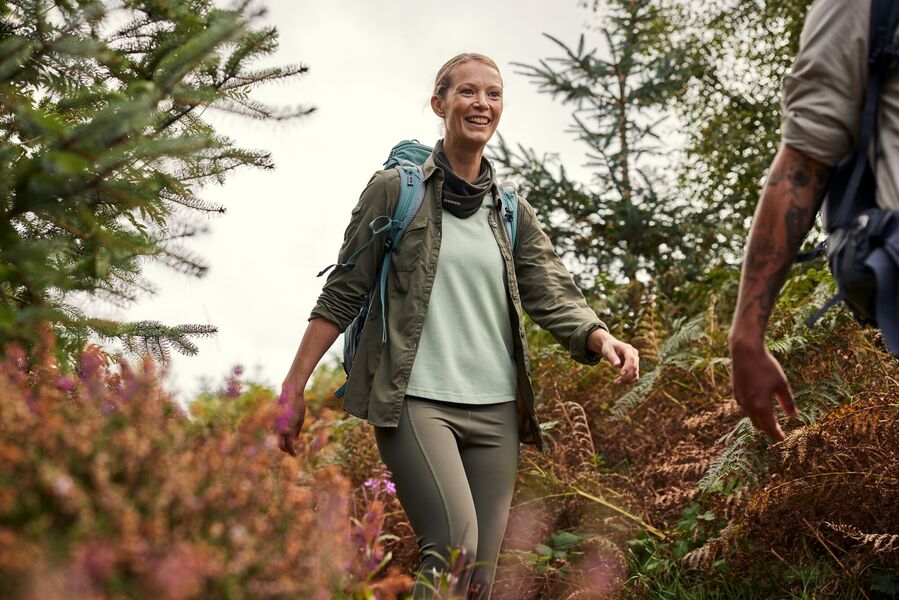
444, 75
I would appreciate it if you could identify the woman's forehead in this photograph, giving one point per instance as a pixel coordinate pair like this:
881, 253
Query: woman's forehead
476, 72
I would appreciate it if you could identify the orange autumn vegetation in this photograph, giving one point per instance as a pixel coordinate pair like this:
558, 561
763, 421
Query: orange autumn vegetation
109, 489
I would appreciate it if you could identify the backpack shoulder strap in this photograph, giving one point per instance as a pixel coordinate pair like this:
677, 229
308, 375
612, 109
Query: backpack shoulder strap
881, 60
411, 197
882, 35
509, 198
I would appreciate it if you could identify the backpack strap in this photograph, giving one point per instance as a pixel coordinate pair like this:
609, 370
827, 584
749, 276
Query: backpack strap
377, 226
509, 200
884, 262
882, 54
411, 197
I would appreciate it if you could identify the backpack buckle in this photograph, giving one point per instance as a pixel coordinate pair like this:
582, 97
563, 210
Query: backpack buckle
861, 222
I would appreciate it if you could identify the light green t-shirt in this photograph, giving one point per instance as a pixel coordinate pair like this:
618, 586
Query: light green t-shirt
465, 353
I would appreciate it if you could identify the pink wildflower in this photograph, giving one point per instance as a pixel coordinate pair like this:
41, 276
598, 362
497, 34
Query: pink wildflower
233, 388
66, 383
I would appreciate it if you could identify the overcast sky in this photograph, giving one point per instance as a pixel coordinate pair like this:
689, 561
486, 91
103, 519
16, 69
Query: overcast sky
372, 67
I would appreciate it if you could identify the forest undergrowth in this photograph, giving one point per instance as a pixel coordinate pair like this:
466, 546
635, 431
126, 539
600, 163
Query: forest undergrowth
660, 490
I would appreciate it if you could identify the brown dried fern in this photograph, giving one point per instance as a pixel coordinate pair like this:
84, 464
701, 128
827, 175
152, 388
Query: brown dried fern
574, 449
881, 542
717, 548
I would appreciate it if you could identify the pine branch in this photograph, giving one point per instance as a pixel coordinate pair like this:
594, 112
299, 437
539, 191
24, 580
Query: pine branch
100, 145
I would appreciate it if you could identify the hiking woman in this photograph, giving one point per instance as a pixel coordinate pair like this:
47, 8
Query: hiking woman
448, 392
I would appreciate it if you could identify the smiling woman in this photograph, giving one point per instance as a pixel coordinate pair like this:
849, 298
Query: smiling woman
446, 384
470, 102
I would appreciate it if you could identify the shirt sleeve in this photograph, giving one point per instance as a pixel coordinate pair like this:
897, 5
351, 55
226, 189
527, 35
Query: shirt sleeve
824, 92
548, 292
344, 291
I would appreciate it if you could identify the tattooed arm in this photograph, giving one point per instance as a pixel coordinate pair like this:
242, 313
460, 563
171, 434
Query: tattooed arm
784, 215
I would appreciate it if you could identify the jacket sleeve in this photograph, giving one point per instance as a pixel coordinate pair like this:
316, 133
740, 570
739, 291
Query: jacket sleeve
344, 291
824, 92
548, 293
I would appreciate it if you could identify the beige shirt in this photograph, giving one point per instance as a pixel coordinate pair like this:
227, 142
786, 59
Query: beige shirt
823, 96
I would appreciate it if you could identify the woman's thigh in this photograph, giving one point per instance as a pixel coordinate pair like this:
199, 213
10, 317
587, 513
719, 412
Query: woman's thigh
423, 455
490, 455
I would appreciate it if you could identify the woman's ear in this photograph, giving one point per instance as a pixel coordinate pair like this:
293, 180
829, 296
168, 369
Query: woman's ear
437, 106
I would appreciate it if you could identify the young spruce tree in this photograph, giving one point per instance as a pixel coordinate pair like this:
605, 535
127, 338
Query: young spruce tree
104, 149
622, 225
741, 51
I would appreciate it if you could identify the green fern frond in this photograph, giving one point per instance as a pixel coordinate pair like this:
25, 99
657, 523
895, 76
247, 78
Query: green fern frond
674, 353
740, 458
684, 336
637, 394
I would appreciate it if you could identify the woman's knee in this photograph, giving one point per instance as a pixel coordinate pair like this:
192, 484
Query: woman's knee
450, 546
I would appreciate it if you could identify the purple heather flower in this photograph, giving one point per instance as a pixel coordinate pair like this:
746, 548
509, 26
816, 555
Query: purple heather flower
371, 483
389, 487
66, 383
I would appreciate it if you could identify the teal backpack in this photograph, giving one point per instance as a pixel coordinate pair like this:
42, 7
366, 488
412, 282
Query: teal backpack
407, 158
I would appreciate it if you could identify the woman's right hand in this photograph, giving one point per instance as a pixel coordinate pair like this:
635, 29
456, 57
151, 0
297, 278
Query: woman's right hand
291, 414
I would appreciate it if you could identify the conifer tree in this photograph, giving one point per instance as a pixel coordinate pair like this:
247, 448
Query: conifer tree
740, 52
622, 223
104, 150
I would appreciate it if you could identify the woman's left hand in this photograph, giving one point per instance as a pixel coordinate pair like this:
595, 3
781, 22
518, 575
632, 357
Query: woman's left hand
618, 353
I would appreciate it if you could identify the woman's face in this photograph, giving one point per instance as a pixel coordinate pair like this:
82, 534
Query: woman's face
472, 106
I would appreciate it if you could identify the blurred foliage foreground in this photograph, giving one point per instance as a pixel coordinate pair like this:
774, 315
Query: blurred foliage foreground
109, 489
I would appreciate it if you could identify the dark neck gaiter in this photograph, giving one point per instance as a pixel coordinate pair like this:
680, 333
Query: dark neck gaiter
460, 197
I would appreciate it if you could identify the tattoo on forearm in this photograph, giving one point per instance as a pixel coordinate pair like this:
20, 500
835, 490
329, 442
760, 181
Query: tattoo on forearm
799, 182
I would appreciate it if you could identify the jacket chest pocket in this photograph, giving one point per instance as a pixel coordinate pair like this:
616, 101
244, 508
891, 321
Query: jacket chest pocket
413, 247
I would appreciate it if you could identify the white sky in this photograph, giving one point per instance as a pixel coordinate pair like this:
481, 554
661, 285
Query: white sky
372, 70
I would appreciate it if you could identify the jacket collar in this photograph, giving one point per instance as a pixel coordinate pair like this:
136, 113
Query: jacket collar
429, 166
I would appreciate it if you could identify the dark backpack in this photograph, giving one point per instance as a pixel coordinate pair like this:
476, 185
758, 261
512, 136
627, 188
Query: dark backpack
863, 240
407, 158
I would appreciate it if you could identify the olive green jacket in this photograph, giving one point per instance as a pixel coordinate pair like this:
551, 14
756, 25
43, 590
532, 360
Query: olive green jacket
538, 283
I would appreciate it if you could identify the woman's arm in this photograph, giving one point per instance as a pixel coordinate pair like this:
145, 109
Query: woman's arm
554, 301
618, 353
319, 336
338, 304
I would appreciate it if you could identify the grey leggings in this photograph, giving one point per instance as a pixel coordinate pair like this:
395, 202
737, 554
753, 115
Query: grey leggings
454, 469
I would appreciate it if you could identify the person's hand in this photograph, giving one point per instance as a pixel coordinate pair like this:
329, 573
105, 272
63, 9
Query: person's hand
757, 376
291, 414
618, 353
